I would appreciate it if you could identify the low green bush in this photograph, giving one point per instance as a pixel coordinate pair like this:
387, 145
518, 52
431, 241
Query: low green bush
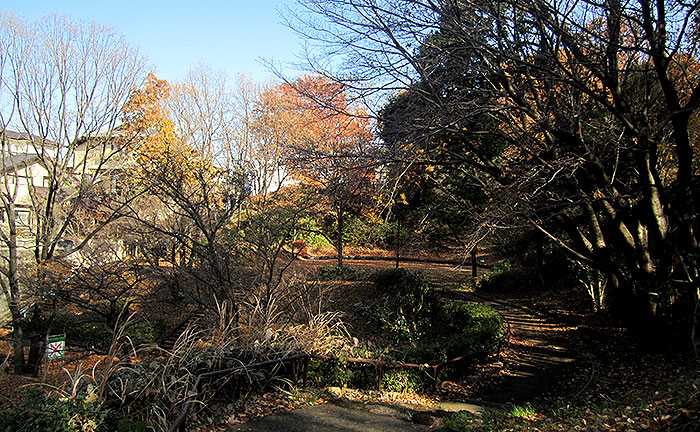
458, 329
89, 332
400, 281
511, 280
309, 231
93, 335
426, 330
405, 309
345, 273
339, 373
45, 413
335, 373
419, 329
523, 411
143, 332
406, 380
362, 233
459, 422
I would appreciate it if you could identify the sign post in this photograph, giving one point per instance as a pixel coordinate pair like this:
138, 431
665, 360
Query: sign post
55, 347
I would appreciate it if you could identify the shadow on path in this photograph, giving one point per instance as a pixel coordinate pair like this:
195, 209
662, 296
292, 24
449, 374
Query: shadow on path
536, 358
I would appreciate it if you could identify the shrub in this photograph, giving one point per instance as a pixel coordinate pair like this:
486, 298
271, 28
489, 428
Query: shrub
400, 281
90, 333
309, 233
334, 373
361, 233
460, 421
142, 333
459, 329
42, 413
523, 411
93, 335
504, 266
405, 309
405, 380
338, 373
477, 325
507, 280
426, 330
332, 272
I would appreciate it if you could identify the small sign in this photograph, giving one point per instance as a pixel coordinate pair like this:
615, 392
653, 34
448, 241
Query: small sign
55, 347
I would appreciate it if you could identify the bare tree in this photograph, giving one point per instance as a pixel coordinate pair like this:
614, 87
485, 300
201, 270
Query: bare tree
62, 89
194, 189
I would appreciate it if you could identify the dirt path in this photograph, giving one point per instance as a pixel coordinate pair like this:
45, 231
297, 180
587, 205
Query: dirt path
537, 359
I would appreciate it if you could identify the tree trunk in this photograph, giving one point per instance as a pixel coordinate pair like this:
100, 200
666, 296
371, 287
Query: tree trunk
17, 341
695, 333
36, 353
539, 257
39, 328
339, 241
13, 294
398, 242
475, 270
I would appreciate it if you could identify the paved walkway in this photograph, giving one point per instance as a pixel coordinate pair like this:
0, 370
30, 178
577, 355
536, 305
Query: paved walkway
331, 417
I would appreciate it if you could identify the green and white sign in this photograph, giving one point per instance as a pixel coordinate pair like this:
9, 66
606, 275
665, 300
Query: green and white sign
55, 347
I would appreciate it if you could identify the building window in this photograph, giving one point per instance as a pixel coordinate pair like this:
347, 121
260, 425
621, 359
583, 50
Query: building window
131, 250
18, 179
116, 186
23, 217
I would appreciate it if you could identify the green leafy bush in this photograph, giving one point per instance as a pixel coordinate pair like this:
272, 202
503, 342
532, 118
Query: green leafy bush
362, 233
332, 272
401, 281
339, 373
460, 421
507, 280
426, 330
523, 411
42, 413
334, 373
89, 332
458, 329
94, 335
405, 309
419, 329
309, 232
406, 380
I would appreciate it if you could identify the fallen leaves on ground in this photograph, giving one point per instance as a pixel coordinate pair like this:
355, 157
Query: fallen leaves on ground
219, 415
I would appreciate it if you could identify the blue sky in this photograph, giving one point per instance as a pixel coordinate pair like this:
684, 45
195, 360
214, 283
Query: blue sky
177, 35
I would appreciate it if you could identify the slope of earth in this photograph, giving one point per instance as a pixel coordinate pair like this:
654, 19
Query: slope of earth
561, 370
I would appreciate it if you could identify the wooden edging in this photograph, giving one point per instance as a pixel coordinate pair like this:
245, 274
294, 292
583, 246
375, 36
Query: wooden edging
181, 421
393, 259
